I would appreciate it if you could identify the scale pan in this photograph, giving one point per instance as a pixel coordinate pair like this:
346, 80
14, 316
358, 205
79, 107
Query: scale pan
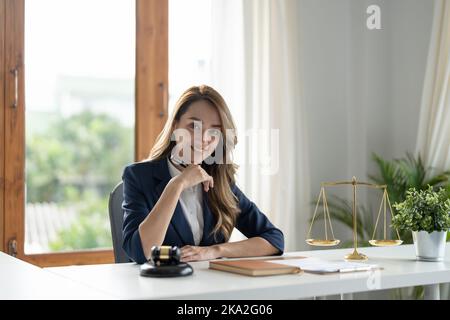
385, 243
323, 242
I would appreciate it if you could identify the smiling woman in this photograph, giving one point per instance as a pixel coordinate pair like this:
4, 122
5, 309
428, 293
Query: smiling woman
165, 204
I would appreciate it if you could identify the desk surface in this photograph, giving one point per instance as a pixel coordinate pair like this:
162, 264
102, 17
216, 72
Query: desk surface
401, 269
20, 280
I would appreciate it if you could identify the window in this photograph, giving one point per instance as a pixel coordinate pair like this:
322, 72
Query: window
91, 107
79, 118
189, 46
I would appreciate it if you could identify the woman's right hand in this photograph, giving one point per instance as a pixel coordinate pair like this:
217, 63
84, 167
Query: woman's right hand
193, 175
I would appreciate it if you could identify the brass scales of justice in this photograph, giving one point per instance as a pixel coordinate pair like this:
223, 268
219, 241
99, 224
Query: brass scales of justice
328, 242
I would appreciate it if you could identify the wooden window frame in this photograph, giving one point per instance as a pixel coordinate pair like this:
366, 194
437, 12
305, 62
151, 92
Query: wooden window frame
151, 96
2, 121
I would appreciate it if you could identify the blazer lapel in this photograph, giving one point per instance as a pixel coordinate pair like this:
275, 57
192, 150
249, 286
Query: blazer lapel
178, 221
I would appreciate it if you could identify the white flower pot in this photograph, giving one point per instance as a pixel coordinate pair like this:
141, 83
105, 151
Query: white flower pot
430, 246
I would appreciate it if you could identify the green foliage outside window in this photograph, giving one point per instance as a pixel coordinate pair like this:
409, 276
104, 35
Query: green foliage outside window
77, 161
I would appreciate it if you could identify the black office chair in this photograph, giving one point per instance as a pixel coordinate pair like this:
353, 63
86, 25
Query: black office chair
116, 220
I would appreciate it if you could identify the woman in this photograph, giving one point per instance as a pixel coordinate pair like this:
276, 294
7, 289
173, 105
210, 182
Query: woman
185, 193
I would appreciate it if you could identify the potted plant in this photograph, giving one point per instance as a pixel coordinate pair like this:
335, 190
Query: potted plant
427, 214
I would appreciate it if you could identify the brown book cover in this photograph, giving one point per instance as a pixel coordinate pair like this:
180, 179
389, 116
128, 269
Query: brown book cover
253, 267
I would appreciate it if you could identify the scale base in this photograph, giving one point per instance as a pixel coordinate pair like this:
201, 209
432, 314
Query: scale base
356, 256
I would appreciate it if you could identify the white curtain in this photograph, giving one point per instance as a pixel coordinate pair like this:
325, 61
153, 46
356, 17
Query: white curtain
433, 141
256, 66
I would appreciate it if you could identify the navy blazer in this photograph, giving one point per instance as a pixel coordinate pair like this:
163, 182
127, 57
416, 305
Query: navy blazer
143, 184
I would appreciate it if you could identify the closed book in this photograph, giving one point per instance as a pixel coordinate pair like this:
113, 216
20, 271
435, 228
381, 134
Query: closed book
253, 267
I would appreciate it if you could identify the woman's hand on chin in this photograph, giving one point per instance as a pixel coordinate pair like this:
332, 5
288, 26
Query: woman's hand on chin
195, 253
193, 175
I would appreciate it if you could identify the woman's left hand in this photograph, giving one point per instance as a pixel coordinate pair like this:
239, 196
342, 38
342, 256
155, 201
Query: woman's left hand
194, 253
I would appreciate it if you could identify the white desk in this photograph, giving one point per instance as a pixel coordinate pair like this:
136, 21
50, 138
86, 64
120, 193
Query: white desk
20, 280
400, 270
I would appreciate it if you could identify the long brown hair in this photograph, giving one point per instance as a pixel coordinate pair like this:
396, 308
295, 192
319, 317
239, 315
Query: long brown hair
223, 203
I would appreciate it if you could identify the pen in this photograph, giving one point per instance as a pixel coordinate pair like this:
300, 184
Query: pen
178, 161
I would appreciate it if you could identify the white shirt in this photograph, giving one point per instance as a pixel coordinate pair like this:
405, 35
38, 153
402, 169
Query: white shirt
191, 200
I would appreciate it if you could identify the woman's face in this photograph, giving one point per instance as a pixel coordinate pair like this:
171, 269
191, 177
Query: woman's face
200, 132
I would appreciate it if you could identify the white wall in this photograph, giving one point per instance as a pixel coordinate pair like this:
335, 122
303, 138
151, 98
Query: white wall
361, 88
